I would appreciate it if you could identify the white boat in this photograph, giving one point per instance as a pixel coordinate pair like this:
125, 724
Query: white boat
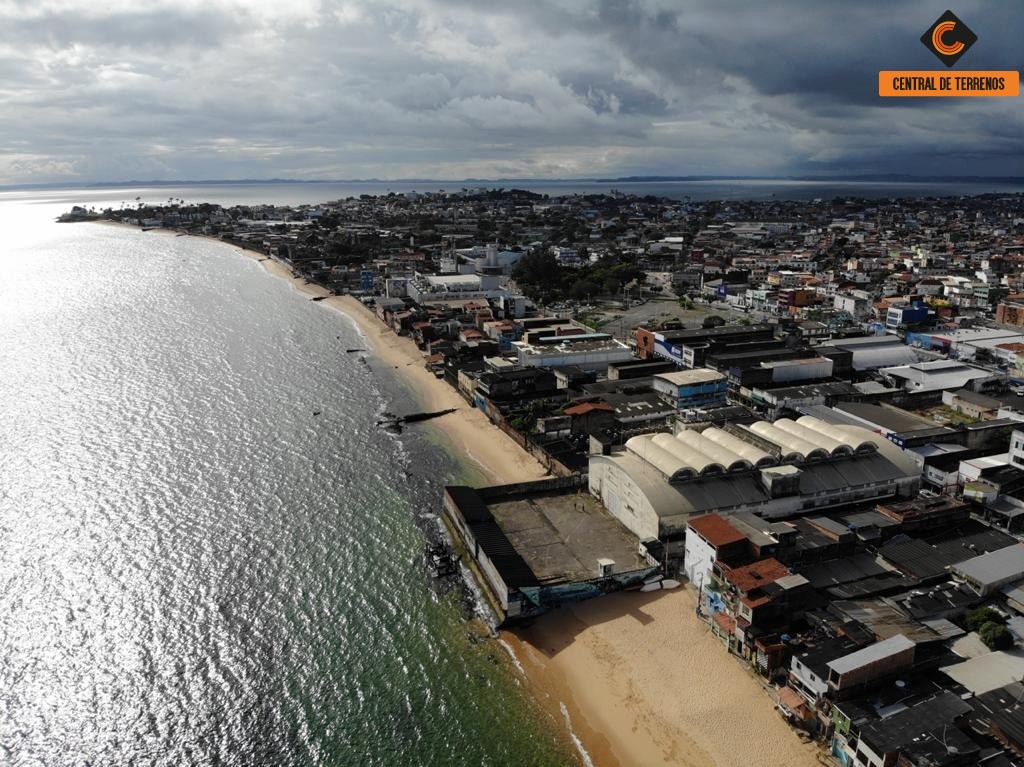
667, 583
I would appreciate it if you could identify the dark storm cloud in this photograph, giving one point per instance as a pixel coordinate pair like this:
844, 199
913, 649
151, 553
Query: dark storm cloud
454, 88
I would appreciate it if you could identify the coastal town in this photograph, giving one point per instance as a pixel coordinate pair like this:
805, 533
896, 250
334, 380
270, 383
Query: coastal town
807, 414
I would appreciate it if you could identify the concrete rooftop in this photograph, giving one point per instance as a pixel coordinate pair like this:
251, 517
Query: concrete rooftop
562, 535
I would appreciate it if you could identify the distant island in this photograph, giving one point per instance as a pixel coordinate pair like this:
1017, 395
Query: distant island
865, 178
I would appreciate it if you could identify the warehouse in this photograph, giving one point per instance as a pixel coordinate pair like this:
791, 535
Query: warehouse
658, 481
988, 572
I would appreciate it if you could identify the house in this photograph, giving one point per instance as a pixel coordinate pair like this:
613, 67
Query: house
710, 538
973, 405
808, 668
588, 417
1001, 713
930, 723
870, 663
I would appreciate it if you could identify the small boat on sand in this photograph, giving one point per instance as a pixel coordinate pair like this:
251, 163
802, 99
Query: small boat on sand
666, 583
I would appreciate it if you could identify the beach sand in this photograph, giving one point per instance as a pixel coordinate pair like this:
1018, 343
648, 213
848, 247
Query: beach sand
637, 677
645, 683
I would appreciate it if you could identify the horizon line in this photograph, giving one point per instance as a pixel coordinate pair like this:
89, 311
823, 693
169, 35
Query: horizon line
864, 177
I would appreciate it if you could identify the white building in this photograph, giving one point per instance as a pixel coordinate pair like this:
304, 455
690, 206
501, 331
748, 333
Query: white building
424, 288
660, 481
940, 375
590, 351
566, 256
705, 537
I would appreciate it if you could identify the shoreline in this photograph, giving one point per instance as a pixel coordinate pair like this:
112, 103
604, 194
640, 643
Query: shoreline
582, 663
615, 674
498, 456
646, 684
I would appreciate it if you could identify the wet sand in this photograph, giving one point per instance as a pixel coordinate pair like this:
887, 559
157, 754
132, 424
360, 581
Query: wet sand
646, 684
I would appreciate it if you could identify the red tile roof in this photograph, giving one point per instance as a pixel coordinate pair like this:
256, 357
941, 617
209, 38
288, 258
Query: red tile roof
715, 530
791, 699
725, 622
750, 577
588, 407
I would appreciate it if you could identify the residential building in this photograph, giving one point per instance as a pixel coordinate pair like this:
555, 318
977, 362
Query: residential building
870, 663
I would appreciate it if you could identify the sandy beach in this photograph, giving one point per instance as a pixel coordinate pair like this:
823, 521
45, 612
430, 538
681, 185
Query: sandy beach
638, 678
646, 684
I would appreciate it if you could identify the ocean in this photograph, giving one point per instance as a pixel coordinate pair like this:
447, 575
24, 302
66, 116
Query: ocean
299, 193
195, 568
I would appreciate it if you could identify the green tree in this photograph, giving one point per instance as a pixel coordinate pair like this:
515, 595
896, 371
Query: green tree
525, 422
583, 289
996, 636
982, 615
540, 276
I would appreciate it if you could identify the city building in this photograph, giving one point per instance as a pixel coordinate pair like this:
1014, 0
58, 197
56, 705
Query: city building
699, 387
657, 482
688, 348
526, 542
590, 351
986, 573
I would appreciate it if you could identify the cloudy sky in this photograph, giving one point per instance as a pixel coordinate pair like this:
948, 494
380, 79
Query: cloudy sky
450, 89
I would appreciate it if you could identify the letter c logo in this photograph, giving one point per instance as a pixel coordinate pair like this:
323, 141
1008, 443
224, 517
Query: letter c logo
941, 47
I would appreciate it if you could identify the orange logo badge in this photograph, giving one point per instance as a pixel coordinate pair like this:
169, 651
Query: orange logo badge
949, 38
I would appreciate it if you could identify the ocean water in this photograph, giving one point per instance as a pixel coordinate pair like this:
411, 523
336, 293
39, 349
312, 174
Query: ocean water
312, 193
194, 568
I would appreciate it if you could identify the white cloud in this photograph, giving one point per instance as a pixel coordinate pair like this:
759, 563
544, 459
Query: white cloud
449, 88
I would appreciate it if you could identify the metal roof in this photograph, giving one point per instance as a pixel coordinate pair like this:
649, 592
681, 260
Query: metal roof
996, 567
870, 654
917, 558
890, 734
890, 418
987, 672
731, 490
846, 570
940, 374
885, 356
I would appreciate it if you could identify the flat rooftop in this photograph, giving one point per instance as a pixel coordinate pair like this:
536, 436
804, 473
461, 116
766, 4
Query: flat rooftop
690, 377
562, 535
717, 332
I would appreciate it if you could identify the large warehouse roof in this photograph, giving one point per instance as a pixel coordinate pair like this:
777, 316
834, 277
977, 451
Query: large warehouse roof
718, 469
875, 352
